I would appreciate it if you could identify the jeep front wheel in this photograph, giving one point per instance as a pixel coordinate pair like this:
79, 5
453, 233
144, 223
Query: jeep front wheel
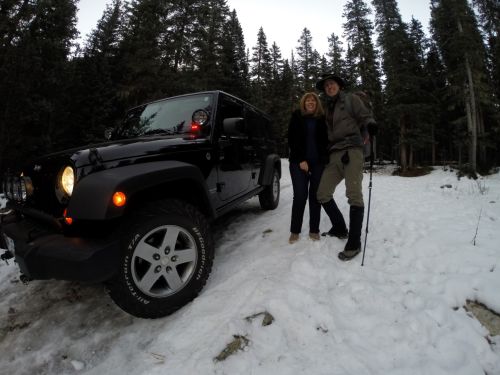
166, 259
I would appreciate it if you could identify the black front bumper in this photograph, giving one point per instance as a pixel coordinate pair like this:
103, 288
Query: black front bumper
42, 253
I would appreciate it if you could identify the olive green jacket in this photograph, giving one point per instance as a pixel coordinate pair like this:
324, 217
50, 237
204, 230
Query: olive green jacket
346, 131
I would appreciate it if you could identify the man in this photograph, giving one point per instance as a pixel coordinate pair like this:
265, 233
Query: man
346, 118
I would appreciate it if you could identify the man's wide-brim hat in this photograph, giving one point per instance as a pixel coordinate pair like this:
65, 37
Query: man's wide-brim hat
320, 85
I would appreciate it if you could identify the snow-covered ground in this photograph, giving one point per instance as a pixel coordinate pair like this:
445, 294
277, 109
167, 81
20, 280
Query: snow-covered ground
401, 313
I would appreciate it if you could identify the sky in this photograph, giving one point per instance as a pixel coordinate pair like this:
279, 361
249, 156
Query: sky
283, 21
402, 313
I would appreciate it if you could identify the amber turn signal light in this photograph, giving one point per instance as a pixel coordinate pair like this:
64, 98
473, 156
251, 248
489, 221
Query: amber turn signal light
68, 220
119, 199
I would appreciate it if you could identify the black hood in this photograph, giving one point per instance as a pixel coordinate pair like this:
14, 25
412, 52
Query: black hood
44, 171
117, 150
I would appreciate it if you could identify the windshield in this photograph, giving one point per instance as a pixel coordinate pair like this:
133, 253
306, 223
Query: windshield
167, 117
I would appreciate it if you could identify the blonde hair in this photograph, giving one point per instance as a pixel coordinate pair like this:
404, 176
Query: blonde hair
319, 108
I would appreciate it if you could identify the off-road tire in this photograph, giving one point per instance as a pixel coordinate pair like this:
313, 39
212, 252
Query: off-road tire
167, 256
269, 197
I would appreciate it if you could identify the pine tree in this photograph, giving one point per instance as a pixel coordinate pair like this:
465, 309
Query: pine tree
277, 95
406, 101
215, 14
351, 71
289, 88
489, 14
96, 77
460, 43
358, 30
140, 60
336, 63
361, 67
437, 87
233, 63
324, 67
261, 69
423, 104
180, 25
36, 56
418, 39
297, 88
14, 18
288, 100
276, 62
307, 61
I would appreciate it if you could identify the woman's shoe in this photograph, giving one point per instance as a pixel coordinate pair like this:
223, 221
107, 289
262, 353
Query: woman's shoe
294, 237
314, 236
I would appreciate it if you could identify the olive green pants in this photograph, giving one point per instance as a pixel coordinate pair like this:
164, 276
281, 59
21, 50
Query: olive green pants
336, 170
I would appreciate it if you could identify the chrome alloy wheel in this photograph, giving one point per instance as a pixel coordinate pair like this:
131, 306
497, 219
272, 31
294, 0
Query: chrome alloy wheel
164, 261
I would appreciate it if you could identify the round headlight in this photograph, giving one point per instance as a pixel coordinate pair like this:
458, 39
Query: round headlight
68, 180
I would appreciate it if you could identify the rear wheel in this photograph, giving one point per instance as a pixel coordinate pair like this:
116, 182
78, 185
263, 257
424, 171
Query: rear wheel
166, 259
270, 196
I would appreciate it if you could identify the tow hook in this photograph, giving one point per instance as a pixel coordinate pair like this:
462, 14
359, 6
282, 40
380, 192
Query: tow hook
6, 256
24, 279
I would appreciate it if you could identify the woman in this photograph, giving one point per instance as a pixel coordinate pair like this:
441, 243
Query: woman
307, 140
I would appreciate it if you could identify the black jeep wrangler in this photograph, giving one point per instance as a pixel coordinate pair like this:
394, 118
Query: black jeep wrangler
135, 212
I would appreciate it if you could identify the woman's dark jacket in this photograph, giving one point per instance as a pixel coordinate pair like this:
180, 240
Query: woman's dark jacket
297, 133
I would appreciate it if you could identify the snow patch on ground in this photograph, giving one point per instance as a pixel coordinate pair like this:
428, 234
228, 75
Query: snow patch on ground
401, 313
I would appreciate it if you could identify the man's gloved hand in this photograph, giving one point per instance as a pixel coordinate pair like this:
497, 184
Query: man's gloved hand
372, 129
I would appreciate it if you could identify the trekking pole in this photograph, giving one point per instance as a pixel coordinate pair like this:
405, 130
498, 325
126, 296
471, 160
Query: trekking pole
369, 199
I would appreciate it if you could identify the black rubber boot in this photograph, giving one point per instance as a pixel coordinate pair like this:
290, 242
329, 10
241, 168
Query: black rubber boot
339, 228
353, 245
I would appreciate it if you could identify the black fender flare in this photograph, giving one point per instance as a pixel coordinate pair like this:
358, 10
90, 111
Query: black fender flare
92, 196
266, 175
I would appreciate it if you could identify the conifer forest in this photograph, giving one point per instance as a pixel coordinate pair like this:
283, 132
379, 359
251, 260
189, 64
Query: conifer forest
435, 94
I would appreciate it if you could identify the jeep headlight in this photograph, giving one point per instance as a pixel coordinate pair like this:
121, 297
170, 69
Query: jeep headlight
67, 180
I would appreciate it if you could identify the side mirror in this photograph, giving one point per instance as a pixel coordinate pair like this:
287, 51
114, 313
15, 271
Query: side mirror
233, 126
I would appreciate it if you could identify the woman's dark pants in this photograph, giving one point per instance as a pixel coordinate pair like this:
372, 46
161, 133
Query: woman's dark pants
305, 186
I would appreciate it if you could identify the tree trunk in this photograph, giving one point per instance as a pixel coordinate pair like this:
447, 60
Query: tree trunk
402, 146
470, 99
433, 147
410, 158
480, 132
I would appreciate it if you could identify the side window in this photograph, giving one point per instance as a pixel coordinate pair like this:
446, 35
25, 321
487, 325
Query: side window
257, 125
230, 109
